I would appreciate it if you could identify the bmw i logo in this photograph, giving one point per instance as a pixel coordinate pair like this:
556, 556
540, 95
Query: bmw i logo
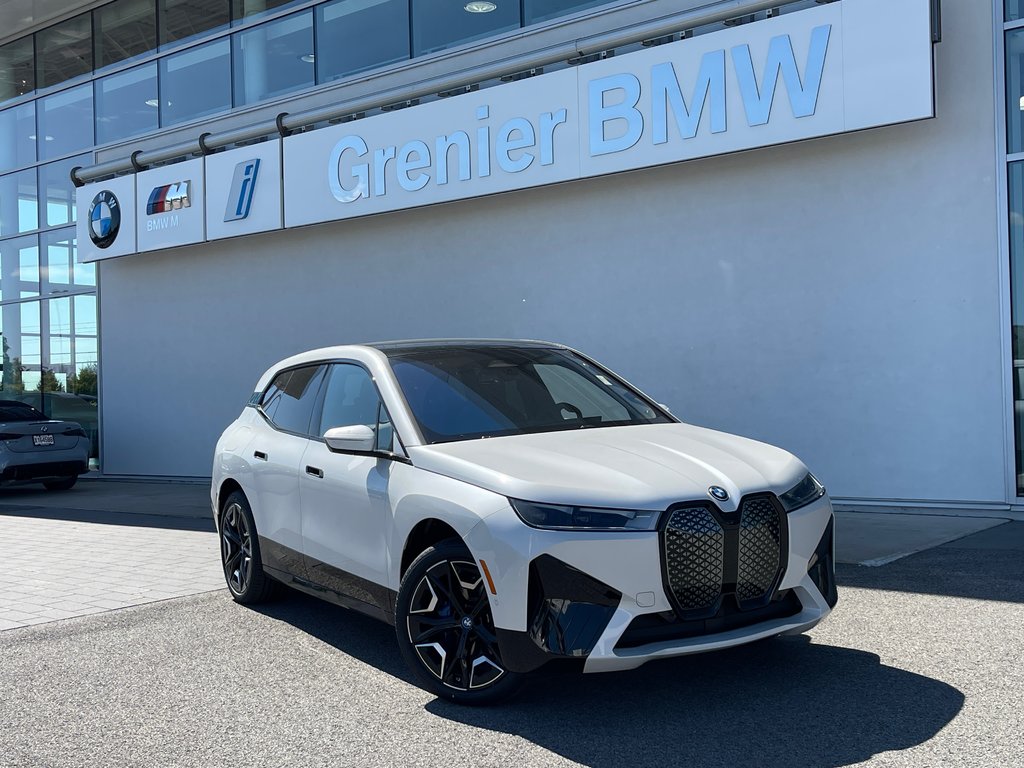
104, 219
719, 493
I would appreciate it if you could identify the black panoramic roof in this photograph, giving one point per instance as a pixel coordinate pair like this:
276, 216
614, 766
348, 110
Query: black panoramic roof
396, 348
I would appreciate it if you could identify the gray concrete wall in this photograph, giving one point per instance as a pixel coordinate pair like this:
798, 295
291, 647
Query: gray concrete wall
838, 297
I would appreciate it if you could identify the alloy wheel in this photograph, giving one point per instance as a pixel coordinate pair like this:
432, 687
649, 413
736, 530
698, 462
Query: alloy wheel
236, 548
451, 628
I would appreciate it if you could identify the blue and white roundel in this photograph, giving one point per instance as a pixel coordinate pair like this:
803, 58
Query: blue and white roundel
104, 219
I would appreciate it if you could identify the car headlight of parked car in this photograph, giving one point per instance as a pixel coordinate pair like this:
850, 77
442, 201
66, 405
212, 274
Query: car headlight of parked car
803, 493
561, 517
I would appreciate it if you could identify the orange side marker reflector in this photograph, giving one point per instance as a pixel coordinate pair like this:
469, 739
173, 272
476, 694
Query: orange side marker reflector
487, 575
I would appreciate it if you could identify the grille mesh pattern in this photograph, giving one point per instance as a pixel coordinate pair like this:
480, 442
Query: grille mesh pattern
694, 557
760, 539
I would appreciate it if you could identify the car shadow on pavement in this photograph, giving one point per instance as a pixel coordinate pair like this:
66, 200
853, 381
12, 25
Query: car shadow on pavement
110, 518
780, 703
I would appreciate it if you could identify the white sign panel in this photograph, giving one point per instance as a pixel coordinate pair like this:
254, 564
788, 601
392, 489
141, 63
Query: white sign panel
243, 190
519, 135
106, 219
171, 206
821, 71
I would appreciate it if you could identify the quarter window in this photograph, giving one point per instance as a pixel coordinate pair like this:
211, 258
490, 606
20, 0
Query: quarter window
288, 401
350, 398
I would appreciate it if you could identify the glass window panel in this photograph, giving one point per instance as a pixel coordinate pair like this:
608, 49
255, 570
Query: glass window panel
57, 193
60, 350
64, 51
17, 136
273, 58
58, 253
436, 26
1016, 200
195, 82
182, 19
543, 10
19, 268
245, 10
15, 349
1014, 10
126, 104
355, 35
19, 207
60, 316
85, 316
17, 68
124, 29
65, 122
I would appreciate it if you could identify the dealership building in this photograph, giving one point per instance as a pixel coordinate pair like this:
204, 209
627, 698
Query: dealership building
801, 222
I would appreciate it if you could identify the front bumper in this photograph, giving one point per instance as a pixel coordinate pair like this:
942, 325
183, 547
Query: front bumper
600, 600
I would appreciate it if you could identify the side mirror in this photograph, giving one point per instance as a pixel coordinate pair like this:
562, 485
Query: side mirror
357, 438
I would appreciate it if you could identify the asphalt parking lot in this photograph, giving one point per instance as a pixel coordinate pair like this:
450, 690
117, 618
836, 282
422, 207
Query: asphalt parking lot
921, 664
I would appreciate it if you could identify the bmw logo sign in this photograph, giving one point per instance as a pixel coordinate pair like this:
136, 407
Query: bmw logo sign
719, 493
104, 219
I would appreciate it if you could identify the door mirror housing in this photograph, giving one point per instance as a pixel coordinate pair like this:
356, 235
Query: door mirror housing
357, 438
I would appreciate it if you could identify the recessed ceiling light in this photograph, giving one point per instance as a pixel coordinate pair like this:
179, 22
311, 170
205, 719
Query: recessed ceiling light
309, 58
480, 6
45, 138
152, 103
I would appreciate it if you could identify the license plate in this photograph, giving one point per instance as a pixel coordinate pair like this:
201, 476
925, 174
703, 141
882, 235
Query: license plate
42, 439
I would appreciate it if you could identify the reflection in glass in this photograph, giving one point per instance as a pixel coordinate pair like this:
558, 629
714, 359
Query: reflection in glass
69, 366
436, 26
59, 268
195, 82
22, 360
123, 30
273, 58
1016, 200
64, 51
182, 19
19, 208
244, 10
65, 122
57, 193
352, 36
1014, 10
17, 68
19, 268
126, 104
17, 129
543, 10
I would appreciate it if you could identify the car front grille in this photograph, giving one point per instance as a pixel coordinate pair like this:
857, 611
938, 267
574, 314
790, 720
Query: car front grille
708, 554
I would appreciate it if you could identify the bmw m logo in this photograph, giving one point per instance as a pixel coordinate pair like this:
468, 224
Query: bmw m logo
104, 219
169, 197
719, 493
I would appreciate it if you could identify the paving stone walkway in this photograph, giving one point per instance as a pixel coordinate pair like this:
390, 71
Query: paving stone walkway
53, 568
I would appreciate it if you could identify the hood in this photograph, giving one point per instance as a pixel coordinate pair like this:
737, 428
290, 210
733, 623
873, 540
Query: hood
649, 466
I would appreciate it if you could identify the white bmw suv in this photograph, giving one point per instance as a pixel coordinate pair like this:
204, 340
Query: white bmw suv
508, 504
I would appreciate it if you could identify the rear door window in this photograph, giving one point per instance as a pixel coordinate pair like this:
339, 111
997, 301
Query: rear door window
288, 401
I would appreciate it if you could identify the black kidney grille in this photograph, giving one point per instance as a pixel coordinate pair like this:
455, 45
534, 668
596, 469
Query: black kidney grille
760, 550
694, 558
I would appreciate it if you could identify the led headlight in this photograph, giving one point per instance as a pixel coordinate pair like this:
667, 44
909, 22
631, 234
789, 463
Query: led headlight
803, 493
583, 518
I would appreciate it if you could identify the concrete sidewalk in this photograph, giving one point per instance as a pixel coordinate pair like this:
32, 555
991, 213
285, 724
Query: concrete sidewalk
109, 544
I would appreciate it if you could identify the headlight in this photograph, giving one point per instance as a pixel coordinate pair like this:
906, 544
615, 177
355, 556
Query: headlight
583, 518
803, 493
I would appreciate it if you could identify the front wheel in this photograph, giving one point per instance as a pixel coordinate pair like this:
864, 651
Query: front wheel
64, 484
445, 629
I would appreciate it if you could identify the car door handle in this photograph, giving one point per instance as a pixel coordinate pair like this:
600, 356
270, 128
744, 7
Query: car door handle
314, 471
260, 455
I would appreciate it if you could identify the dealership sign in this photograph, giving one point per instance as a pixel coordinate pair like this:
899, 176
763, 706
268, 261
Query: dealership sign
821, 71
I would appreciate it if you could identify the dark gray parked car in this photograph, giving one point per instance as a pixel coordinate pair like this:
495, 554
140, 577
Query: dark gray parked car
36, 449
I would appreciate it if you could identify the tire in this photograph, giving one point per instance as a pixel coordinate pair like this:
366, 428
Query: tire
240, 554
443, 586
64, 484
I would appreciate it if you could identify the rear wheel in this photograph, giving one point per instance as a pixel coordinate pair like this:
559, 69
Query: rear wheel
240, 553
445, 629
64, 484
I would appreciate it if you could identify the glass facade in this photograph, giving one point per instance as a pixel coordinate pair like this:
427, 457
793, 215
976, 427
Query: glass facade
1014, 51
127, 68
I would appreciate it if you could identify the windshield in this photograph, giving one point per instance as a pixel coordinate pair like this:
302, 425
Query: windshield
12, 410
462, 393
